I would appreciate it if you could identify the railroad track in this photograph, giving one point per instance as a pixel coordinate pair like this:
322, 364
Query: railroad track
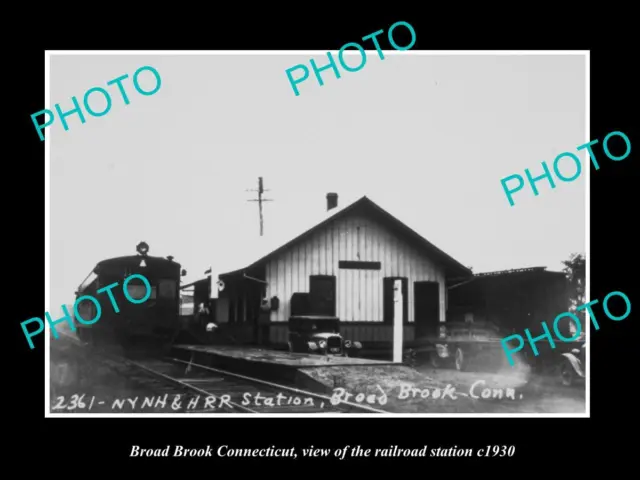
202, 389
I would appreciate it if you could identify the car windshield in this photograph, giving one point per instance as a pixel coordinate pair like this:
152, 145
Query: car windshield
323, 327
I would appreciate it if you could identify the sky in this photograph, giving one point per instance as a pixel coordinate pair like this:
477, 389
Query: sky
427, 137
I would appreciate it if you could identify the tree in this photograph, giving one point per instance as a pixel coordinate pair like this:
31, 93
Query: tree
575, 270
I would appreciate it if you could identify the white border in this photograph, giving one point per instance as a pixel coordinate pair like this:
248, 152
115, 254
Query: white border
47, 141
587, 227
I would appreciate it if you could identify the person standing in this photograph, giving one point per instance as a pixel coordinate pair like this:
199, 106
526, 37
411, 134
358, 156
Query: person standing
205, 323
202, 314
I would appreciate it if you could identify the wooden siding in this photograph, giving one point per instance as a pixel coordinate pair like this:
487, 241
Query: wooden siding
359, 294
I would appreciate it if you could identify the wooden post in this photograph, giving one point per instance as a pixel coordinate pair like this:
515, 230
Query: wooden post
260, 191
397, 321
237, 306
244, 305
213, 286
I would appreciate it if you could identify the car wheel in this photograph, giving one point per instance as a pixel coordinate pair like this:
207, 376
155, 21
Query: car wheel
460, 360
567, 375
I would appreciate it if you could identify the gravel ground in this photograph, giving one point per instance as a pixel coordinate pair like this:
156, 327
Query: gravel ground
75, 372
427, 390
541, 393
77, 378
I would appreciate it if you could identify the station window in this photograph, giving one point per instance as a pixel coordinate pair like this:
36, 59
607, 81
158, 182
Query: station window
167, 289
138, 291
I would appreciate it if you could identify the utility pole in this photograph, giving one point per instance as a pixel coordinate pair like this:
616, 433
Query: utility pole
260, 191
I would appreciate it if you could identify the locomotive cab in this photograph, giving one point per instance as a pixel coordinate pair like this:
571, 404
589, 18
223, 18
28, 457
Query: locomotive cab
130, 307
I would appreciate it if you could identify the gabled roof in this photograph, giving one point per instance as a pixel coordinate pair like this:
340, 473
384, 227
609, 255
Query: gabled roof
516, 271
367, 205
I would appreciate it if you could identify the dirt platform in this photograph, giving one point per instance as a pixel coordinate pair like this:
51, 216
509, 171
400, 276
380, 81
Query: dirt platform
276, 357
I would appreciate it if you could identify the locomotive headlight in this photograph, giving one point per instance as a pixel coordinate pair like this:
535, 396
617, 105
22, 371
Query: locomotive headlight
322, 344
142, 248
357, 344
211, 327
312, 345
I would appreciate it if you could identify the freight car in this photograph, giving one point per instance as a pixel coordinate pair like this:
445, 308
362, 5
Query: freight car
155, 319
491, 306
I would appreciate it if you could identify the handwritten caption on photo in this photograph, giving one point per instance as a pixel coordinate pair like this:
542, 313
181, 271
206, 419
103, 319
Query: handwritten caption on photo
107, 100
587, 306
67, 318
180, 403
363, 55
341, 453
547, 173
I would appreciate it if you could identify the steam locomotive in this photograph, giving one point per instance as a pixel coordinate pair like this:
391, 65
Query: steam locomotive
156, 319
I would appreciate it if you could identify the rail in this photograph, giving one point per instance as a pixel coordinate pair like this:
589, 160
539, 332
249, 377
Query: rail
187, 384
280, 387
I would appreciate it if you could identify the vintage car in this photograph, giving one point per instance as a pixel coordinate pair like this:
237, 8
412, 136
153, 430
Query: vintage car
319, 335
459, 345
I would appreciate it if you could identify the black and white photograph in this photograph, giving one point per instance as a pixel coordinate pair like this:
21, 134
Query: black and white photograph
273, 233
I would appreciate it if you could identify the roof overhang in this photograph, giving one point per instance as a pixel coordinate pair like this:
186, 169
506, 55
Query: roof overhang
197, 282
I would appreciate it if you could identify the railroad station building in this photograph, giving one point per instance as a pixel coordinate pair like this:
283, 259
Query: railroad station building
343, 266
